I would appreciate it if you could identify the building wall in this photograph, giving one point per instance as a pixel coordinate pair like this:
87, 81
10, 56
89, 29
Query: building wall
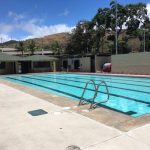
85, 64
134, 63
100, 61
59, 64
17, 67
9, 68
42, 69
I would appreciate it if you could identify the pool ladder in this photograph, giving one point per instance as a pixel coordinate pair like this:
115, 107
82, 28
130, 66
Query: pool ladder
92, 100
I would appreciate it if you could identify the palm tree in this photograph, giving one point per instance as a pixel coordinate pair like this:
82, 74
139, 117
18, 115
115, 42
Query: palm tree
56, 48
32, 47
21, 47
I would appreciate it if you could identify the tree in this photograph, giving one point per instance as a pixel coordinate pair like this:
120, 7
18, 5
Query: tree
137, 15
21, 47
80, 42
56, 48
121, 17
32, 47
144, 31
129, 18
92, 36
101, 22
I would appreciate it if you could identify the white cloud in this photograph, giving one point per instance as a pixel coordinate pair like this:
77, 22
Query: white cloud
6, 28
33, 27
40, 31
16, 16
148, 8
4, 38
65, 13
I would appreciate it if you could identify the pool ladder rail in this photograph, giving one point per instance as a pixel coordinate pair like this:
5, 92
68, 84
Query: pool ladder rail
92, 100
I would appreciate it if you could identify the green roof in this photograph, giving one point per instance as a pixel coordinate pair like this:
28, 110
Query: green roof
39, 58
12, 58
9, 58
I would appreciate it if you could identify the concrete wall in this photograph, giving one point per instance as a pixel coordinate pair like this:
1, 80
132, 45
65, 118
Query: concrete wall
134, 63
85, 64
100, 61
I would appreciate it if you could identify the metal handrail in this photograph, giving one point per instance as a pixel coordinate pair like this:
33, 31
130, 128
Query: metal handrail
108, 95
82, 97
93, 103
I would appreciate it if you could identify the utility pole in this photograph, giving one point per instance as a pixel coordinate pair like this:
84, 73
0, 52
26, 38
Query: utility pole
144, 39
116, 6
42, 46
116, 31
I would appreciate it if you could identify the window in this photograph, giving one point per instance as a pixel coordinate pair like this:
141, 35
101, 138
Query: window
2, 65
41, 64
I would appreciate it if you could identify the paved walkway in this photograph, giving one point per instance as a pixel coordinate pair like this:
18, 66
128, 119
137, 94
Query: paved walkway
59, 128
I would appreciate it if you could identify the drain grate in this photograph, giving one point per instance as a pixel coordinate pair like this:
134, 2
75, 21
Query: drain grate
73, 147
37, 112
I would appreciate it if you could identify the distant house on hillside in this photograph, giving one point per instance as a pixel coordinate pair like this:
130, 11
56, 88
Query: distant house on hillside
16, 52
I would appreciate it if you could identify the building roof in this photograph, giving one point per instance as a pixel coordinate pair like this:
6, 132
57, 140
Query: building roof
8, 49
43, 52
19, 53
11, 58
39, 58
12, 51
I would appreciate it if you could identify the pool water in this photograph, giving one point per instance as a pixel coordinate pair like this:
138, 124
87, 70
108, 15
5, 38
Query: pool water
128, 95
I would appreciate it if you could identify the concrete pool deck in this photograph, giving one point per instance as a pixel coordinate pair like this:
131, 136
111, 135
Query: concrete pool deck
103, 115
59, 128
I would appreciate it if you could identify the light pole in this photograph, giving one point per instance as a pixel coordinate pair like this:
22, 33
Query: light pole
116, 26
144, 40
42, 46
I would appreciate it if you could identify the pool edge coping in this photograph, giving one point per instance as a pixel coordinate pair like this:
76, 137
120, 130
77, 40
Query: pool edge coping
128, 123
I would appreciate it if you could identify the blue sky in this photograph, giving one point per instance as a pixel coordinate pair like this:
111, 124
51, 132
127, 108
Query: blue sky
23, 19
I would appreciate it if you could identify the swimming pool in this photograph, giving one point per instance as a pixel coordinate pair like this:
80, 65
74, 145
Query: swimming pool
128, 95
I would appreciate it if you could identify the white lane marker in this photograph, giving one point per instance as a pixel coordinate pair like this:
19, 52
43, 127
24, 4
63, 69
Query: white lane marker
57, 113
66, 108
85, 110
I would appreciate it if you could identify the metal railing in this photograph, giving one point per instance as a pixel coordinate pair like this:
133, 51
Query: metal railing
83, 100
92, 100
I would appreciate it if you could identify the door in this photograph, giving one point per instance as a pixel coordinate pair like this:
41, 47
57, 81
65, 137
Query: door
93, 64
76, 64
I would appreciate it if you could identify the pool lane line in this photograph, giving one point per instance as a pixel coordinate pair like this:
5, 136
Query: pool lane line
96, 84
114, 77
45, 87
109, 81
116, 95
104, 77
71, 95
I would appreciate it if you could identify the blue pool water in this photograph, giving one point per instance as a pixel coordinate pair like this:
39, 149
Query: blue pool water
128, 95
